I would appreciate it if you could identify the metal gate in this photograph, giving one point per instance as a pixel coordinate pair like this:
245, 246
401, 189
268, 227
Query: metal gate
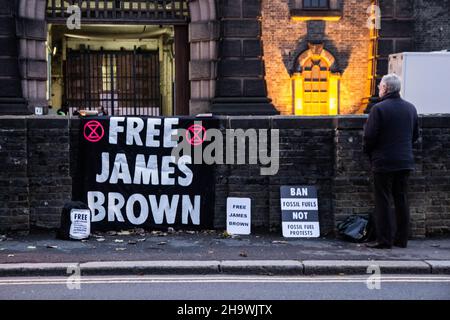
113, 82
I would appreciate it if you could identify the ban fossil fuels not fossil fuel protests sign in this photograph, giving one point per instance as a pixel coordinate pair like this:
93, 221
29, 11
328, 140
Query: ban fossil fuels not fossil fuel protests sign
299, 210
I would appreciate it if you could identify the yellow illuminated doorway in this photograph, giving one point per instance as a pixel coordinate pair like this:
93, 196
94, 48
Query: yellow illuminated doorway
315, 88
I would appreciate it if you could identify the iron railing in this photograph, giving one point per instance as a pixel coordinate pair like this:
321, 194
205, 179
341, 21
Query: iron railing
113, 82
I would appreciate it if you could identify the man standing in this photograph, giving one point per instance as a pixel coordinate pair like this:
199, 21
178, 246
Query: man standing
389, 134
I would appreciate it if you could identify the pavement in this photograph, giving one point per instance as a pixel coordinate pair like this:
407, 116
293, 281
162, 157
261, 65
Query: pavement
138, 252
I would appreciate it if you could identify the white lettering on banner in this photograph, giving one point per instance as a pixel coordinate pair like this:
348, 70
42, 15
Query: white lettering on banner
144, 173
96, 200
116, 202
114, 128
143, 215
191, 210
152, 132
147, 168
103, 177
169, 133
189, 176
164, 208
167, 170
120, 170
134, 126
299, 192
298, 204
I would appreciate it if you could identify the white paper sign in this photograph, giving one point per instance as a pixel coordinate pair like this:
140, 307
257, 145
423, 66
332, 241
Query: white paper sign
238, 215
39, 111
80, 227
299, 212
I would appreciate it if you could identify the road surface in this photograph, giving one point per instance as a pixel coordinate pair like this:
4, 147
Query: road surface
404, 287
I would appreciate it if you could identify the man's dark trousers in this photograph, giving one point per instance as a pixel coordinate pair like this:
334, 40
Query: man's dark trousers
392, 227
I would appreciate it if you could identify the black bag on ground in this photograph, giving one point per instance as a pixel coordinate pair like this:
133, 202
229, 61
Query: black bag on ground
356, 229
75, 221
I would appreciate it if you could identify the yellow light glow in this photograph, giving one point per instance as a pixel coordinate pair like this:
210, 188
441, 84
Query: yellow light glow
334, 95
298, 95
324, 18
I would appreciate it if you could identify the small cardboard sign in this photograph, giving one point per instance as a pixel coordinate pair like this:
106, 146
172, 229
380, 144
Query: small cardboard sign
80, 226
239, 216
39, 111
300, 213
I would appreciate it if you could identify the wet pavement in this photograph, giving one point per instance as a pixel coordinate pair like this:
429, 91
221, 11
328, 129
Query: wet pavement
139, 245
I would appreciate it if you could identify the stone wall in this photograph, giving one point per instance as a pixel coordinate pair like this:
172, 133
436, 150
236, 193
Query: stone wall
32, 34
11, 95
241, 86
39, 157
203, 35
412, 25
432, 30
397, 31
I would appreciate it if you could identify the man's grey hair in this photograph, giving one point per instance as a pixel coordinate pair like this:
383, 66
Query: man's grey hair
393, 82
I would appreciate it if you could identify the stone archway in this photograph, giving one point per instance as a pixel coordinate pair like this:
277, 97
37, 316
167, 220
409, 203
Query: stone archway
203, 35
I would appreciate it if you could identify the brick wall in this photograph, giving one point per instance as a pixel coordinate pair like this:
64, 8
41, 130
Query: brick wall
327, 152
14, 202
50, 184
432, 29
397, 31
39, 156
412, 25
347, 39
34, 178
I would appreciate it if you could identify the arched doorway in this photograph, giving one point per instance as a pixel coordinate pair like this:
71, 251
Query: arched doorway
315, 86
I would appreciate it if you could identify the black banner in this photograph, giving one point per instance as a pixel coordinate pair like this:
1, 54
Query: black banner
129, 177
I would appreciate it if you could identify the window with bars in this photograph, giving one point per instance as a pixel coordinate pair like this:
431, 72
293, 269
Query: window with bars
316, 4
316, 9
118, 82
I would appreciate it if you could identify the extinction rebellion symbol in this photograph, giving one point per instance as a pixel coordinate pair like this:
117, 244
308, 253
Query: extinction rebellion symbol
93, 131
196, 134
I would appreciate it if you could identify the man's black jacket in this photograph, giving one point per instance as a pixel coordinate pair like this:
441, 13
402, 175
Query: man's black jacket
389, 134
